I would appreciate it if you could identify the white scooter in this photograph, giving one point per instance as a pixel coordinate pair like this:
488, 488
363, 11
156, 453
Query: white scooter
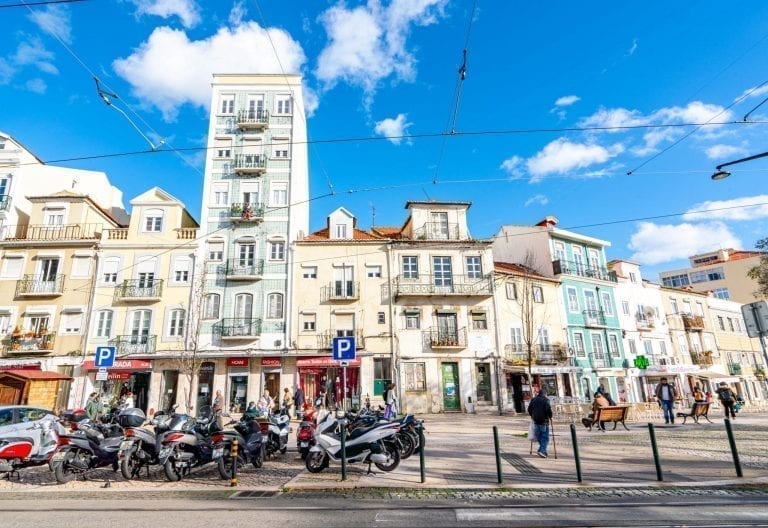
371, 445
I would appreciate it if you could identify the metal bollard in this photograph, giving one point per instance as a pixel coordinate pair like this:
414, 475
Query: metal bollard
421, 455
499, 476
654, 447
576, 453
343, 424
734, 452
233, 480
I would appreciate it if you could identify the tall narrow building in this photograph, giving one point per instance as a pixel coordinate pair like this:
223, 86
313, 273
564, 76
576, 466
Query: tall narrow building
255, 203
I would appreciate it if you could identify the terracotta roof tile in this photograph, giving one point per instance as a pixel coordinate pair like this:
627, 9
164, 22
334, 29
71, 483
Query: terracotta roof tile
323, 235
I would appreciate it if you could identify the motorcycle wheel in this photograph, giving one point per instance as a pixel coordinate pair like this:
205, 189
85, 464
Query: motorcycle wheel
129, 465
303, 451
258, 460
405, 445
394, 459
171, 472
225, 466
316, 461
63, 472
283, 450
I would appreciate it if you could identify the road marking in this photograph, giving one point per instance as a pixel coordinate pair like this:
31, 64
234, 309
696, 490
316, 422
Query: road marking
495, 514
398, 516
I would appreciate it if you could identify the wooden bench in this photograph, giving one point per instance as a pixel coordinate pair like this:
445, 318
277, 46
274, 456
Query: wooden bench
616, 414
699, 410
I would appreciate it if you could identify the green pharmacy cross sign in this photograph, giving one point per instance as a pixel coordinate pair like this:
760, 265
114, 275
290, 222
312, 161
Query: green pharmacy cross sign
641, 362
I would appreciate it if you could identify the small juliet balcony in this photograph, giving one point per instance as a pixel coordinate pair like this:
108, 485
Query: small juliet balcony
243, 212
341, 291
550, 354
139, 291
186, 233
444, 338
51, 233
250, 164
604, 361
238, 328
252, 119
703, 359
645, 323
5, 203
325, 340
30, 343
127, 345
735, 369
693, 323
245, 269
40, 286
594, 318
436, 231
448, 285
580, 269
517, 354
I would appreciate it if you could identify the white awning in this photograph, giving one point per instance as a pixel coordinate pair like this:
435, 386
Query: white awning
715, 375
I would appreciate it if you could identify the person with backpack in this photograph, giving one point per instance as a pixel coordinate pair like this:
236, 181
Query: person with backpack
726, 397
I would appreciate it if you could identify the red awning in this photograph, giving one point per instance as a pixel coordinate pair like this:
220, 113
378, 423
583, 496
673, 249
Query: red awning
325, 361
123, 364
34, 374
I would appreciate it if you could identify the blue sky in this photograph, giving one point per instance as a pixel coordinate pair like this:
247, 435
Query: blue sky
379, 69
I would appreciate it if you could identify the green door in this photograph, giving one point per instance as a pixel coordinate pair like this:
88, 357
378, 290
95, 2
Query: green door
451, 396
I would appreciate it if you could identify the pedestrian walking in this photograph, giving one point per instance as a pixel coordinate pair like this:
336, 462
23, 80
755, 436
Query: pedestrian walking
287, 403
540, 412
726, 397
299, 401
266, 403
665, 393
218, 402
93, 406
390, 398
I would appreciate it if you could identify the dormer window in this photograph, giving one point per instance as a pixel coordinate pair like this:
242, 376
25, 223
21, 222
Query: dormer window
54, 216
153, 220
341, 230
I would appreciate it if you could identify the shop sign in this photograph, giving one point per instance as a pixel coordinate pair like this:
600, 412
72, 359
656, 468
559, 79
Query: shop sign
123, 364
207, 367
271, 362
19, 364
237, 362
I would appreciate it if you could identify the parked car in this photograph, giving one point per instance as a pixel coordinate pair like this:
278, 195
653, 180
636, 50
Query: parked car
17, 420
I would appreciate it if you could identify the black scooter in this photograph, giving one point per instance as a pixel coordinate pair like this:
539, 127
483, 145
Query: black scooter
251, 446
141, 446
93, 445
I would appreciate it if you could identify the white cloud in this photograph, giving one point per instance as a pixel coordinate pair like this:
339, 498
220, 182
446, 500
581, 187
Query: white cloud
514, 166
186, 10
562, 155
161, 75
37, 86
753, 92
567, 100
6, 71
393, 129
237, 13
367, 43
34, 53
633, 48
746, 208
724, 151
614, 117
655, 244
53, 19
538, 199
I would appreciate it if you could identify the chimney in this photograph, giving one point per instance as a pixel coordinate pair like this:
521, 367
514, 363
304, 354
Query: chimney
549, 222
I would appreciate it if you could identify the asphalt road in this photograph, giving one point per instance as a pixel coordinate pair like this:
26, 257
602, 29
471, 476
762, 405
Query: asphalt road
287, 511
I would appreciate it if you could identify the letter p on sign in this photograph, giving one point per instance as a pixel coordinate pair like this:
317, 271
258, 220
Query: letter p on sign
343, 348
105, 356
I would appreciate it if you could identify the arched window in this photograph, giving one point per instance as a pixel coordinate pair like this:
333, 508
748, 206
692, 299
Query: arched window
104, 323
243, 306
275, 306
211, 306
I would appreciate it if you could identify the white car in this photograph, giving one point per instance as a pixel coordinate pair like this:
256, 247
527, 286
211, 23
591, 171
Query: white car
18, 421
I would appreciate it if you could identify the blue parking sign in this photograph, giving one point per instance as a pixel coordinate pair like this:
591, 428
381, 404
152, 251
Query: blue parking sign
343, 348
105, 356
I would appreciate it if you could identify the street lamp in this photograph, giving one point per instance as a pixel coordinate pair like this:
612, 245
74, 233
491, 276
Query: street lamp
721, 174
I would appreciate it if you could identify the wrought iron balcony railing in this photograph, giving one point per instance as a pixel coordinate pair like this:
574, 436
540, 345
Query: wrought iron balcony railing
325, 340
342, 290
437, 231
446, 338
133, 344
459, 285
570, 267
139, 290
5, 202
693, 322
239, 328
41, 342
593, 318
250, 163
246, 212
245, 269
603, 361
40, 286
252, 118
550, 354
703, 360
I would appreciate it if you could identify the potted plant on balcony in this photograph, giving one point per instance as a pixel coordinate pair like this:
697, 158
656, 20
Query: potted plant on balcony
18, 331
760, 373
236, 210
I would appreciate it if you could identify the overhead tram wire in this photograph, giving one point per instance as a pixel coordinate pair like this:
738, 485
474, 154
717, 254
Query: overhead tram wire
48, 2
462, 72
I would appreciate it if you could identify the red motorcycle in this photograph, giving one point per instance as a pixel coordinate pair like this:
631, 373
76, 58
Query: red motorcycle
305, 435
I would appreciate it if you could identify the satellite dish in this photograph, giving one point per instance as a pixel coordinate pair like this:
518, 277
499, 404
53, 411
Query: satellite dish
649, 312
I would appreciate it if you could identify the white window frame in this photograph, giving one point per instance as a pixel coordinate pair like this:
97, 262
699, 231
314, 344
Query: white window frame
580, 352
152, 221
215, 250
309, 272
277, 250
510, 288
309, 322
607, 304
81, 266
275, 305
410, 266
412, 320
278, 194
211, 309
71, 323
179, 263
474, 267
227, 104
573, 297
103, 326
13, 266
283, 105
373, 271
176, 322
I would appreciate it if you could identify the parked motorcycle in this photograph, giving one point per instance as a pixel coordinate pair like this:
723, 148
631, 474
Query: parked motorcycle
372, 445
25, 451
305, 434
192, 446
91, 446
275, 430
251, 446
141, 446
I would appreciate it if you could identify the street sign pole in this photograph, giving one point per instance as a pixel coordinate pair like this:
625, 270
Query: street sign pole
760, 329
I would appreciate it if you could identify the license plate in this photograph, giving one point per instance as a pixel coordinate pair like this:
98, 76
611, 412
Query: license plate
164, 453
305, 444
58, 456
217, 453
125, 444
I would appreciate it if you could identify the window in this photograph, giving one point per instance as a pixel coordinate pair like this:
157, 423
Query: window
277, 250
511, 289
663, 348
699, 308
381, 318
211, 306
632, 346
737, 324
104, 323
215, 251
176, 323
243, 306
687, 307
613, 345
39, 323
474, 268
181, 267
5, 323
279, 149
730, 324
13, 265
275, 306
341, 231
538, 294
81, 266
542, 338
632, 277
479, 321
308, 322
374, 272
625, 307
222, 148
109, 269
676, 281
415, 377
283, 104
71, 323
220, 194
441, 269
153, 220
560, 252
597, 347
279, 194
53, 216
412, 320
139, 326
309, 272
255, 107
578, 344
410, 267
648, 346
722, 293
573, 300
607, 303
227, 104
673, 304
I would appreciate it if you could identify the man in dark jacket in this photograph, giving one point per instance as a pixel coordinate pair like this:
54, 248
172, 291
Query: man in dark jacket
299, 401
541, 413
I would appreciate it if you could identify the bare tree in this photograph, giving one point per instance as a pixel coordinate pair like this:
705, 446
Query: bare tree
530, 298
759, 273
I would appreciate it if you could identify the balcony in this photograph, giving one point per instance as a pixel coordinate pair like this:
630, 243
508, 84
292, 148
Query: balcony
734, 369
117, 234
452, 285
245, 269
600, 361
325, 340
51, 233
437, 231
37, 286
446, 338
186, 233
252, 119
517, 354
273, 326
645, 323
594, 318
246, 212
340, 291
30, 343
550, 354
5, 202
234, 329
139, 291
694, 323
703, 360
250, 164
134, 344
570, 267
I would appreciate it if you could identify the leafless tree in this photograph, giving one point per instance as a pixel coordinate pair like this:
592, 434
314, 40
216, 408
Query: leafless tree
188, 360
533, 312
